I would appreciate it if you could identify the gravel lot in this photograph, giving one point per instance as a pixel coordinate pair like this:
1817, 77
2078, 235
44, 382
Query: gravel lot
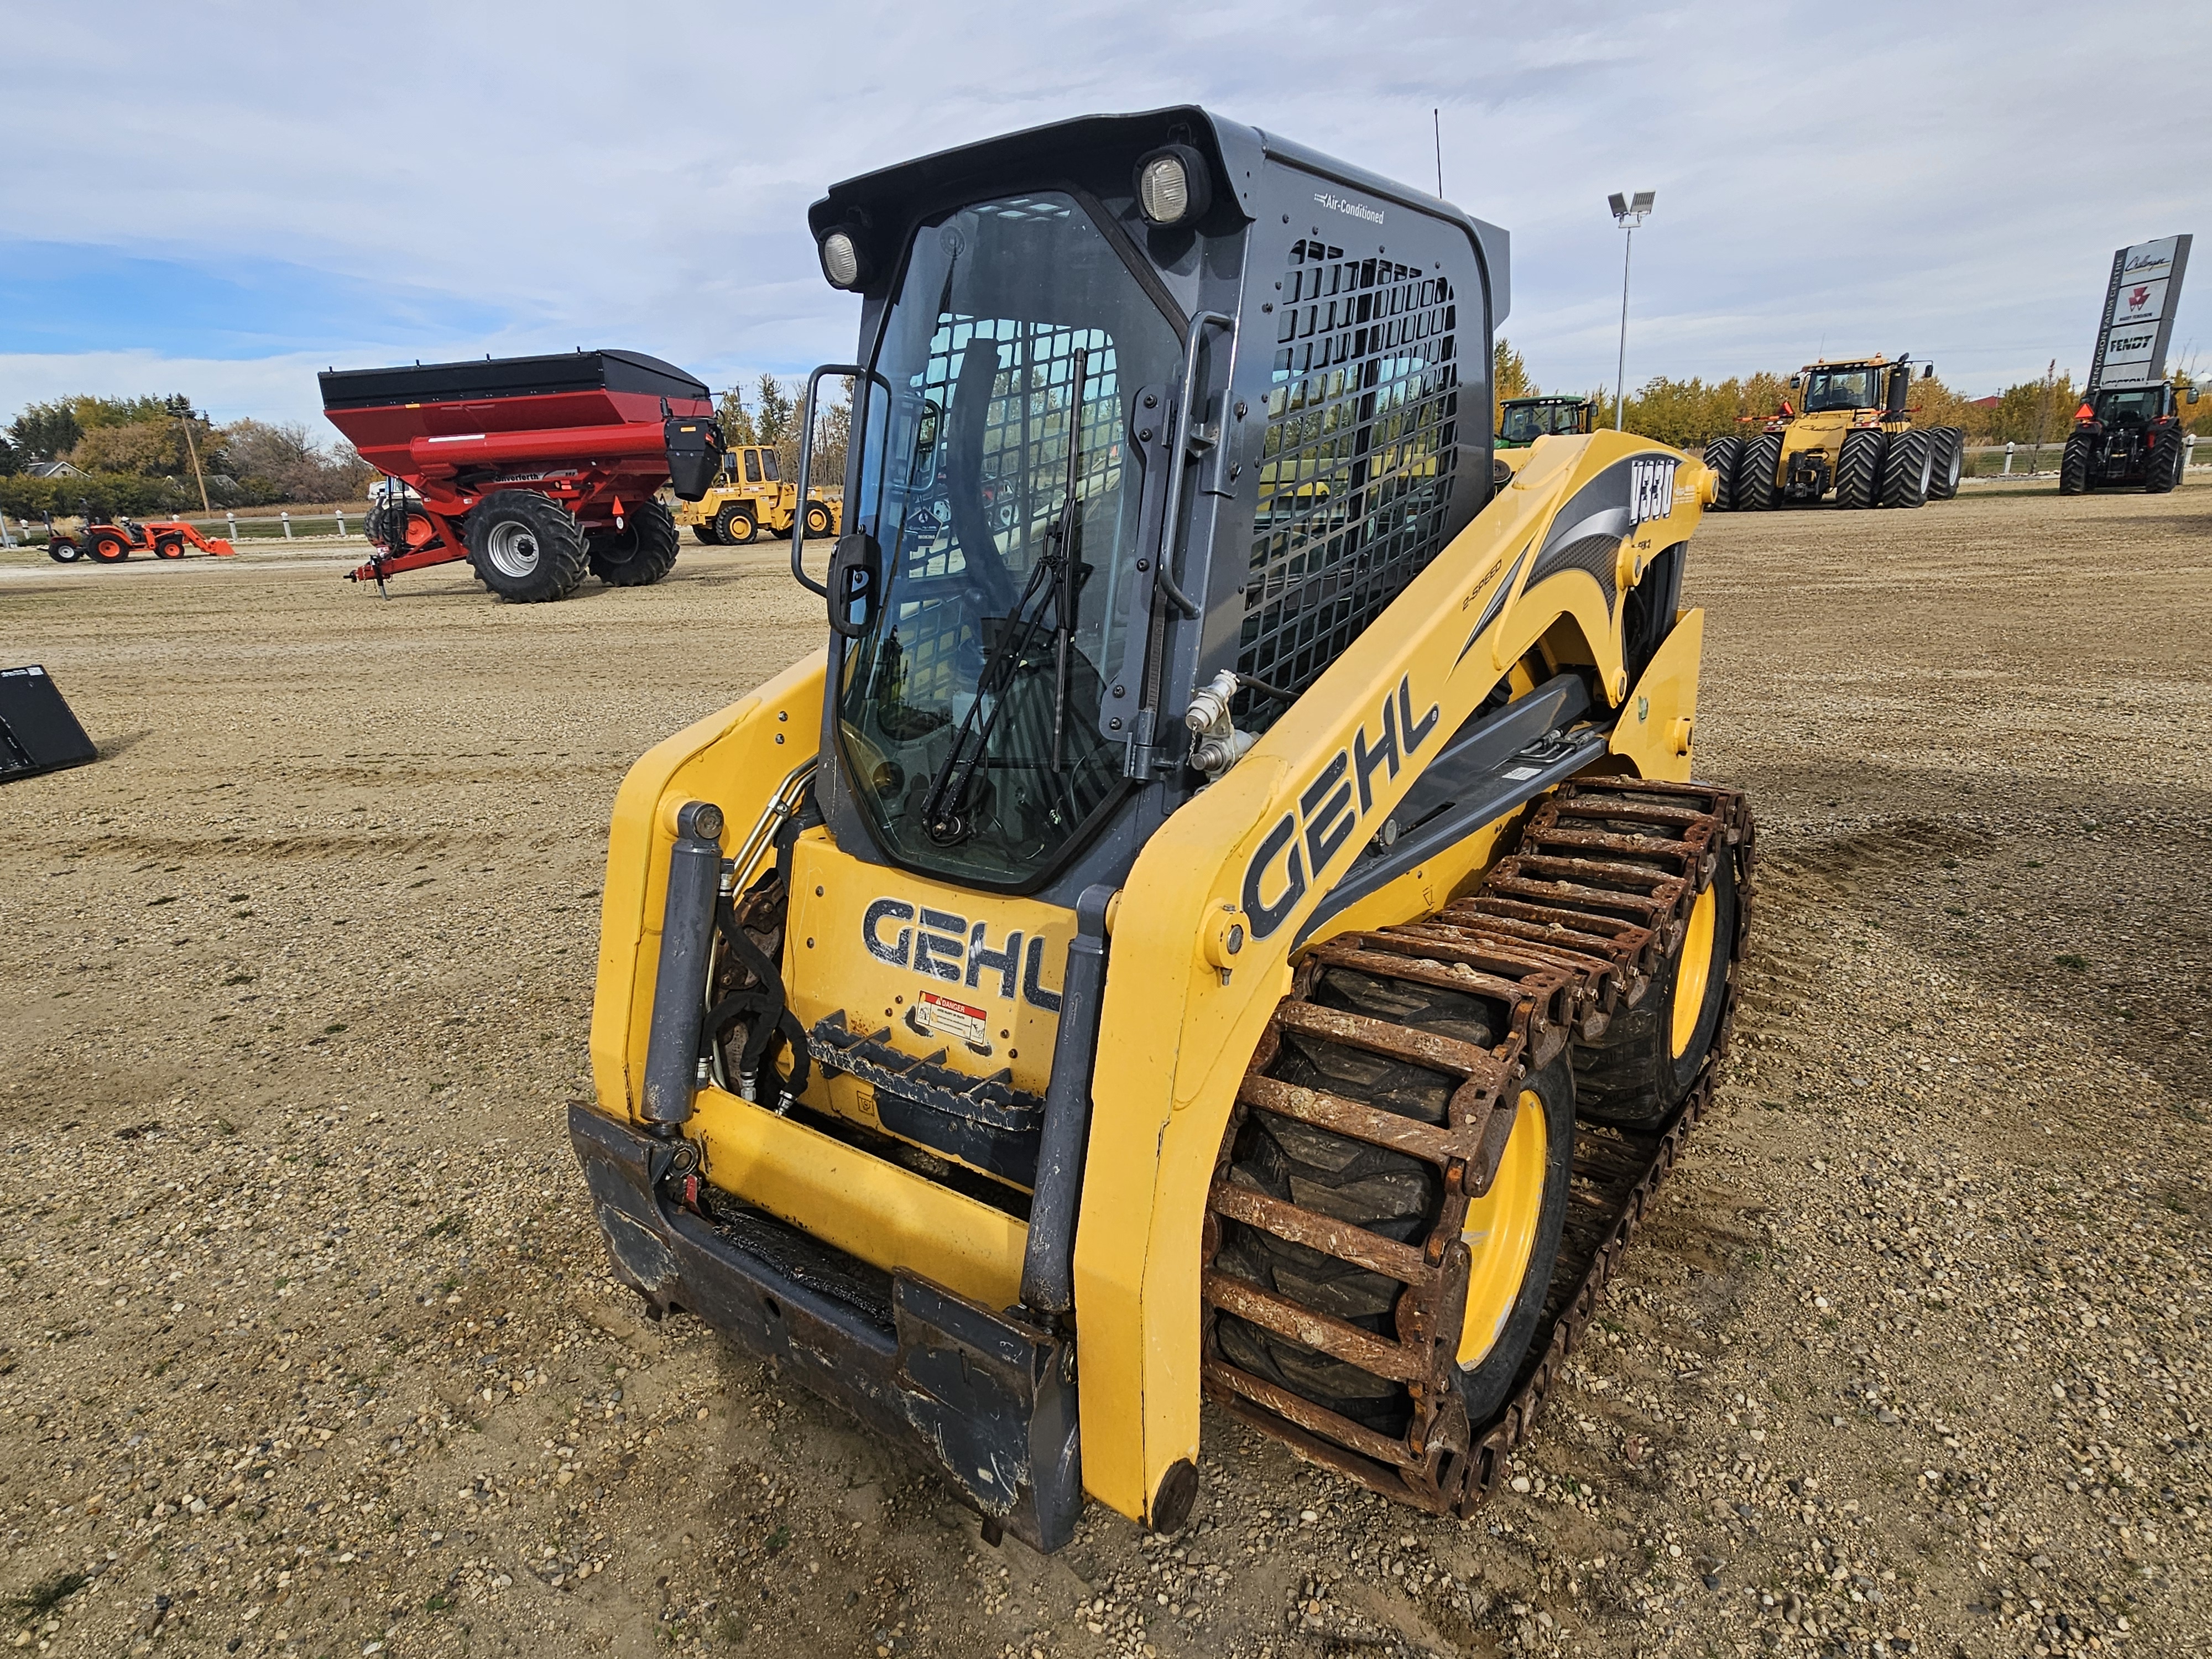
308, 1348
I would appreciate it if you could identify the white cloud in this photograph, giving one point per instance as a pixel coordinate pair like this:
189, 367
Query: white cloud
1883, 177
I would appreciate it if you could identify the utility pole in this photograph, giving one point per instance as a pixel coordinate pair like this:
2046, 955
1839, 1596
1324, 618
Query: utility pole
183, 410
2043, 415
1628, 214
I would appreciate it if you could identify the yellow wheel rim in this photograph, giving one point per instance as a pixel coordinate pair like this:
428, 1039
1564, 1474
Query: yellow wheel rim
1695, 969
1501, 1232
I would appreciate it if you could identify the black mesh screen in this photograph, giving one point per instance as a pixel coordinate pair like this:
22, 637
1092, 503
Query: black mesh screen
1355, 478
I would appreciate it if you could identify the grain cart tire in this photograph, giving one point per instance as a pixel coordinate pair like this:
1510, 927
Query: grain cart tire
1754, 474
1514, 1229
170, 545
2074, 465
638, 554
1947, 462
820, 522
524, 548
704, 535
1649, 1058
734, 525
1858, 468
108, 546
2162, 465
1905, 465
1723, 455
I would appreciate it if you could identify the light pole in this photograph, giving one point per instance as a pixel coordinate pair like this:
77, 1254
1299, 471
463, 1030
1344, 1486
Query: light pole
1627, 214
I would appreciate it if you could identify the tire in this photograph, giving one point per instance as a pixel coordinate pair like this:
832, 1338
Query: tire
1905, 465
1947, 462
1649, 1058
526, 547
169, 546
1754, 474
820, 522
1396, 1196
704, 535
62, 550
734, 525
2074, 465
2162, 466
638, 554
1723, 455
1858, 467
107, 546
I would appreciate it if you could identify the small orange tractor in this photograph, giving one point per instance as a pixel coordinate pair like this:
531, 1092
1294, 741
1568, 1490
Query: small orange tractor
110, 543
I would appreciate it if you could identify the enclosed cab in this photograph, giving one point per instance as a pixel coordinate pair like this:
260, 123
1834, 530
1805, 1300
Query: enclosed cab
1843, 431
2126, 437
749, 497
1521, 420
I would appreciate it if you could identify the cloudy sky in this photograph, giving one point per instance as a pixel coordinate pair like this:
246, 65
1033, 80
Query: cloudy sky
223, 198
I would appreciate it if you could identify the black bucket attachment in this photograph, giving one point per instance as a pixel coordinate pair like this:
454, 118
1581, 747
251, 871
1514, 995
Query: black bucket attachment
694, 455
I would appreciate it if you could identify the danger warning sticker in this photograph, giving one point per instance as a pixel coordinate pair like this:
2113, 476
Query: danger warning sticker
954, 1020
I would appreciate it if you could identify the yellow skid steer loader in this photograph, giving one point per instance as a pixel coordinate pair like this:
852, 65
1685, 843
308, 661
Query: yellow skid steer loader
1225, 915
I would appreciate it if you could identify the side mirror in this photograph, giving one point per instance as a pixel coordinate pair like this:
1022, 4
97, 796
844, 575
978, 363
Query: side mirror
694, 454
1927, 371
2192, 395
856, 581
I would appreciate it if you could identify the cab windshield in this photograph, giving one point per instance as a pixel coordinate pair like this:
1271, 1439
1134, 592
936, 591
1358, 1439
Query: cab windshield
970, 711
1526, 423
2128, 408
1828, 389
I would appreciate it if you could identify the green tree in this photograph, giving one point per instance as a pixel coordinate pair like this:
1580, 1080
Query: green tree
46, 432
773, 421
737, 420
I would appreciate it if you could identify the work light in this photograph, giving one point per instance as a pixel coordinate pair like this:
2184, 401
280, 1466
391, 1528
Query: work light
1172, 186
841, 259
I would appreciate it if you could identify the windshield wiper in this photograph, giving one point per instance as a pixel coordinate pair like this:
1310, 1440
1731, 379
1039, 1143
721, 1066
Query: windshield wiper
1068, 533
941, 814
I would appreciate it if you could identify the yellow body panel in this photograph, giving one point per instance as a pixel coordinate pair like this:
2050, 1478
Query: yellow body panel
772, 502
1261, 845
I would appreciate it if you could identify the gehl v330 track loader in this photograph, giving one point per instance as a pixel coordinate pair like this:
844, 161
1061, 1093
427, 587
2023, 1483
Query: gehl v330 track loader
1236, 927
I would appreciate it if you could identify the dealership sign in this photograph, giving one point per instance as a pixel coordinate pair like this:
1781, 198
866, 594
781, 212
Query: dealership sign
2138, 320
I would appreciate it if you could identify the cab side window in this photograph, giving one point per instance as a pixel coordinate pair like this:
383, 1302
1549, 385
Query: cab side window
768, 467
752, 466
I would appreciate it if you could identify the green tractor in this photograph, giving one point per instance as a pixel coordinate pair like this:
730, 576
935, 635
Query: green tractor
1521, 420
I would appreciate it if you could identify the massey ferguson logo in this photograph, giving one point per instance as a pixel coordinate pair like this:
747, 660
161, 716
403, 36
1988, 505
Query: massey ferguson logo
949, 947
2138, 297
1326, 813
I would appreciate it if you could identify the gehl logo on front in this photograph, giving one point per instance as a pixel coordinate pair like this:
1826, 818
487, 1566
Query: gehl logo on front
944, 945
1325, 811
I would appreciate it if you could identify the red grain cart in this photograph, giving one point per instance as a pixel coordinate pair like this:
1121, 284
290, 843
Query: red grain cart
535, 470
111, 544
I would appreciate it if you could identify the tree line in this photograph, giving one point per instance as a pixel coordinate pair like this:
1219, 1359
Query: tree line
153, 454
1687, 413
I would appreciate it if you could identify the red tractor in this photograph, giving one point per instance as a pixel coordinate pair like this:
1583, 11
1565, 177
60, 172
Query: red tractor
2125, 436
537, 471
110, 543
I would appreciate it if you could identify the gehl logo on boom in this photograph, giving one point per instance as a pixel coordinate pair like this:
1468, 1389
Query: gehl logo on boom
1325, 819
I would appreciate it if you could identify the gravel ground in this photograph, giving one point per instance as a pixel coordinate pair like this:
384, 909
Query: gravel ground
309, 1350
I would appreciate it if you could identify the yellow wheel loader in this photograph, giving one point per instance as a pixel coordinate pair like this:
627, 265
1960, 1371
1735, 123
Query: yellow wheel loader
1225, 917
749, 498
1852, 440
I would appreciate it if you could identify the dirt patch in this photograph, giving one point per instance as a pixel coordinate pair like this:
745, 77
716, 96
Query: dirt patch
309, 1346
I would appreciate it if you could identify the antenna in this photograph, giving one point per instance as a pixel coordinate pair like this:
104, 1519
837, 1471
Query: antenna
1437, 117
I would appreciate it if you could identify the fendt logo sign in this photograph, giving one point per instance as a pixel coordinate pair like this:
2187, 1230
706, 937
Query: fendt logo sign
947, 947
1326, 814
2133, 334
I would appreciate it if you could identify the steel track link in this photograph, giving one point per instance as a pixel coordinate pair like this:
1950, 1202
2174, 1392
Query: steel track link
1582, 919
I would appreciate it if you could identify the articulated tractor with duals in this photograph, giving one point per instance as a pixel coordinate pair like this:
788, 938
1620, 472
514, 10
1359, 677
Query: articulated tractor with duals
1225, 914
1854, 439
